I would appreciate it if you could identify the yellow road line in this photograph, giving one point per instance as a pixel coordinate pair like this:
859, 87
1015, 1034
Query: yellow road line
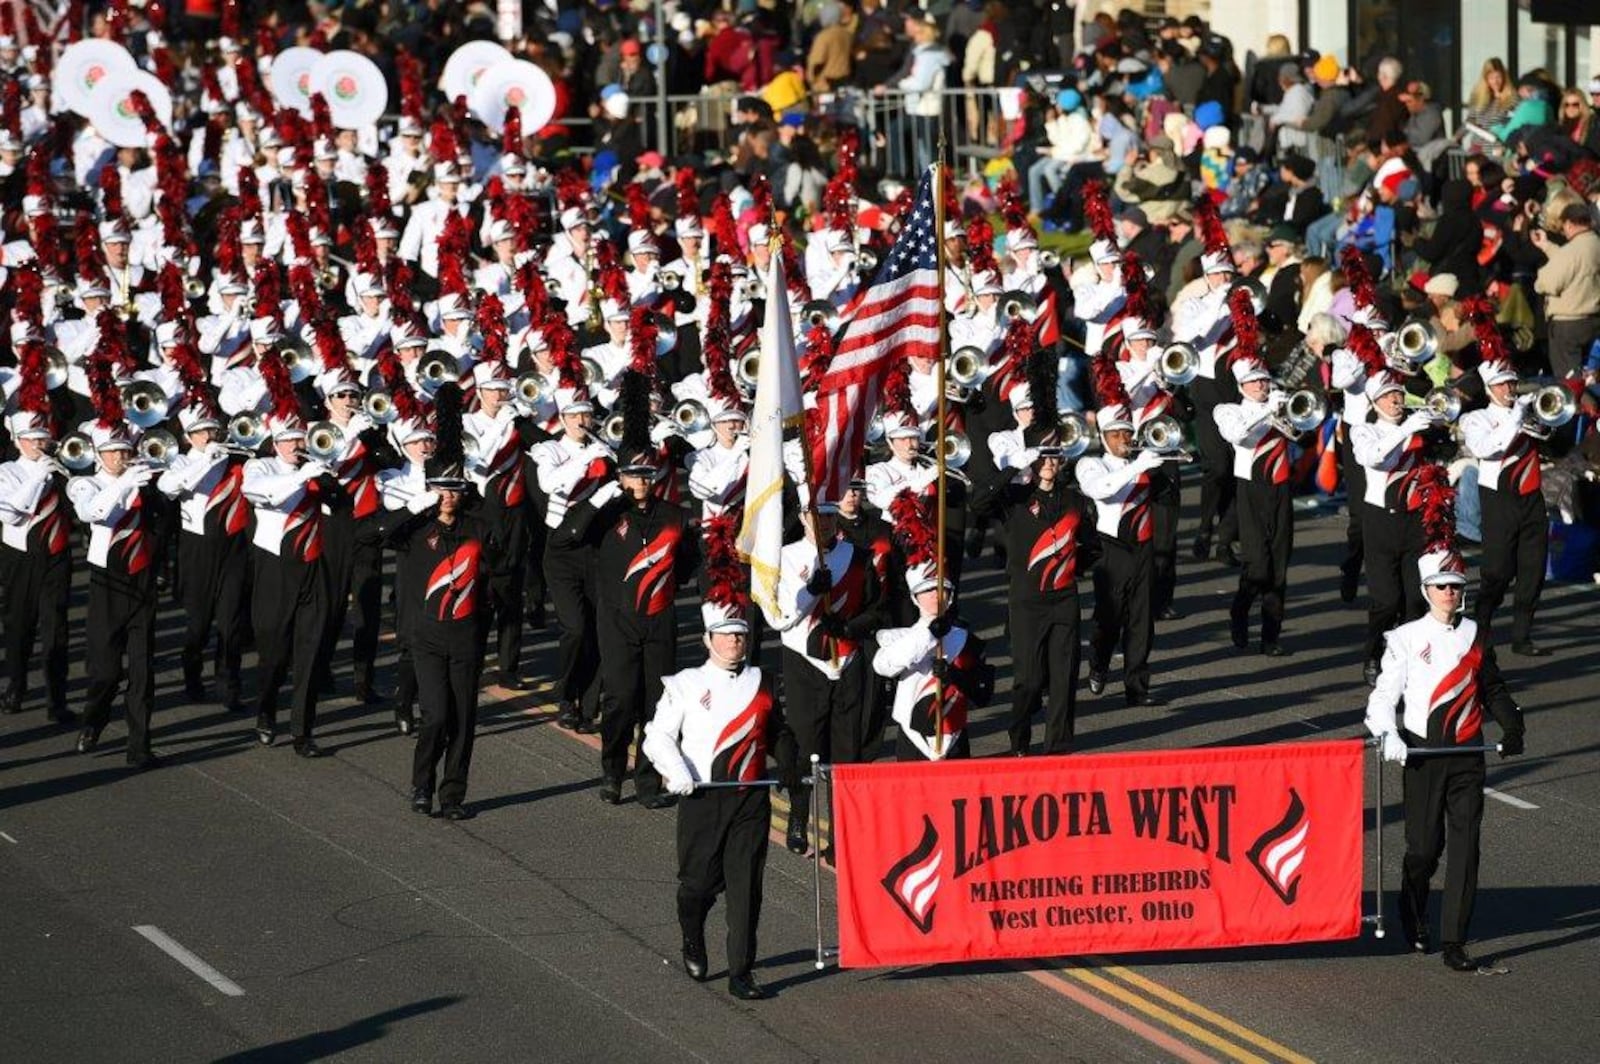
1149, 1008
1177, 1000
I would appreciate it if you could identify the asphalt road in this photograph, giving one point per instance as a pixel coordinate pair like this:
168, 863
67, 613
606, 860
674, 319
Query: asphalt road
330, 922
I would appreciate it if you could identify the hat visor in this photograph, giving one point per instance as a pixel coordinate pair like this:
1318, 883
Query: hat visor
1439, 579
446, 483
638, 469
1117, 425
903, 434
115, 445
729, 627
288, 434
577, 408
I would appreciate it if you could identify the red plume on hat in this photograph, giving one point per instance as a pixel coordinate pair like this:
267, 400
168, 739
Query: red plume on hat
724, 573
1208, 222
1364, 346
1097, 211
761, 199
1438, 508
86, 249
299, 234
161, 58
303, 289
717, 343
1357, 278
329, 343
980, 247
27, 293
283, 403
321, 117
455, 249
491, 321
897, 389
442, 142
393, 375
816, 358
174, 301
409, 71
1246, 330
1136, 284
249, 195
266, 40
244, 68
398, 284
8, 21
268, 288
230, 256
638, 208
613, 278
915, 526
11, 105
186, 360
839, 196
642, 332
32, 395
210, 85
571, 189
1480, 312
1013, 208
377, 188
535, 296
230, 18
563, 345
720, 225
35, 34
111, 192
1108, 383
688, 195
101, 371
511, 132
145, 110
794, 272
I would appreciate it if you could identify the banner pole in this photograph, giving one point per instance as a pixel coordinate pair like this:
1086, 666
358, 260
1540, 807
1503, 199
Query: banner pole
816, 860
1377, 921
939, 178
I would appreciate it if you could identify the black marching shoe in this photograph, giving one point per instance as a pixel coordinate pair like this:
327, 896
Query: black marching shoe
265, 732
510, 681
1348, 581
404, 722
141, 761
694, 957
307, 748
88, 739
534, 616
1145, 699
1202, 548
455, 811
659, 800
10, 702
1457, 959
421, 801
1228, 556
1369, 673
1239, 630
1415, 934
194, 688
611, 792
795, 838
1168, 613
365, 693
587, 727
1097, 681
1526, 649
569, 716
745, 988
1274, 650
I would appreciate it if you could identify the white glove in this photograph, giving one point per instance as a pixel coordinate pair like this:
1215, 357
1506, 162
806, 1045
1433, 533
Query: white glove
1525, 401
1025, 458
312, 469
1394, 747
136, 477
423, 502
1416, 421
605, 493
1147, 460
681, 787
215, 451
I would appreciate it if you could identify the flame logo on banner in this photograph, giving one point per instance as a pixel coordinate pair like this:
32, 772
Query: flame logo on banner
1281, 850
914, 881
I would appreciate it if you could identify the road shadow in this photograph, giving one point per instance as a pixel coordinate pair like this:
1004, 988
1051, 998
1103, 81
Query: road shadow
537, 795
325, 1044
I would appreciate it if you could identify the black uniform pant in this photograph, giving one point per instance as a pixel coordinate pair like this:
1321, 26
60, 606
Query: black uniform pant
1393, 543
1515, 545
36, 606
1045, 653
289, 608
1122, 593
504, 603
637, 654
1355, 489
569, 577
213, 578
1217, 482
447, 692
828, 717
121, 625
722, 846
1443, 798
533, 575
354, 557
1164, 506
1266, 538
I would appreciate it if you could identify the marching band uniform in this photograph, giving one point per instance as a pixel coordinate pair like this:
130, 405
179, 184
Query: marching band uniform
1266, 516
1205, 323
398, 486
1348, 374
717, 473
1515, 521
1151, 400
1095, 300
1441, 676
289, 598
909, 657
718, 723
36, 563
1121, 488
213, 560
126, 519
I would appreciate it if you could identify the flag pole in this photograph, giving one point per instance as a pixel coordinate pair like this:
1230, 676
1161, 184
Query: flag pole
939, 178
775, 242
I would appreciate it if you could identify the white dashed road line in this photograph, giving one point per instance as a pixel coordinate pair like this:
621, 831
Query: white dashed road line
1508, 799
164, 942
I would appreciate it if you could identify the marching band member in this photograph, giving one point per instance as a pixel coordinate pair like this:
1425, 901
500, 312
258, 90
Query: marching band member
445, 552
1121, 485
1098, 294
717, 724
936, 662
412, 434
718, 471
419, 242
1266, 516
1151, 400
906, 468
568, 264
126, 519
368, 328
1515, 521
958, 280
289, 597
1438, 677
207, 484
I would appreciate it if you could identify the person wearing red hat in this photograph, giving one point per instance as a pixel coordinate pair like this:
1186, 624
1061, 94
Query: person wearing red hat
1438, 679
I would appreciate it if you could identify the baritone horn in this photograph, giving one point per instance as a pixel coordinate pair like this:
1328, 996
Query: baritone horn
1178, 365
158, 447
820, 312
1414, 347
247, 432
669, 280
325, 441
690, 416
379, 406
957, 449
1016, 305
436, 368
1075, 435
611, 430
298, 360
1442, 404
968, 366
593, 374
1164, 436
746, 371
1553, 406
75, 452
1300, 411
55, 368
144, 403
531, 387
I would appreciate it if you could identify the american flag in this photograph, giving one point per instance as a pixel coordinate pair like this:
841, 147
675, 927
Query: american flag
899, 315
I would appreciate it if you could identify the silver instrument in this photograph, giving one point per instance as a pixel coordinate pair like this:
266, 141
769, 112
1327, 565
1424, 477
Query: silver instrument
1442, 404
957, 449
247, 432
593, 374
437, 368
866, 264
1300, 412
194, 287
75, 452
55, 368
471, 449
690, 416
1075, 435
1049, 260
299, 360
968, 367
754, 290
1017, 304
1553, 406
158, 448
144, 404
666, 334
1164, 436
1178, 365
1414, 347
669, 280
531, 387
611, 431
379, 406
820, 312
875, 429
746, 370
325, 441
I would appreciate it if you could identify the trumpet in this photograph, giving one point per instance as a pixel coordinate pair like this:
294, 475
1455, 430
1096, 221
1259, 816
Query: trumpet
247, 432
746, 370
379, 407
75, 452
820, 312
55, 368
690, 416
611, 430
1164, 436
144, 403
1552, 407
1075, 436
531, 387
957, 449
1442, 404
1300, 412
436, 368
325, 441
158, 447
328, 277
1414, 347
298, 360
1178, 365
1017, 304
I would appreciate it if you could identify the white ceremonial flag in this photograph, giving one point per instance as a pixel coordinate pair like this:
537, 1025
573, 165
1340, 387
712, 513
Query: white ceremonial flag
777, 405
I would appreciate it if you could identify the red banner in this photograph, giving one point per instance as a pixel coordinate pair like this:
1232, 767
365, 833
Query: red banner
1037, 857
